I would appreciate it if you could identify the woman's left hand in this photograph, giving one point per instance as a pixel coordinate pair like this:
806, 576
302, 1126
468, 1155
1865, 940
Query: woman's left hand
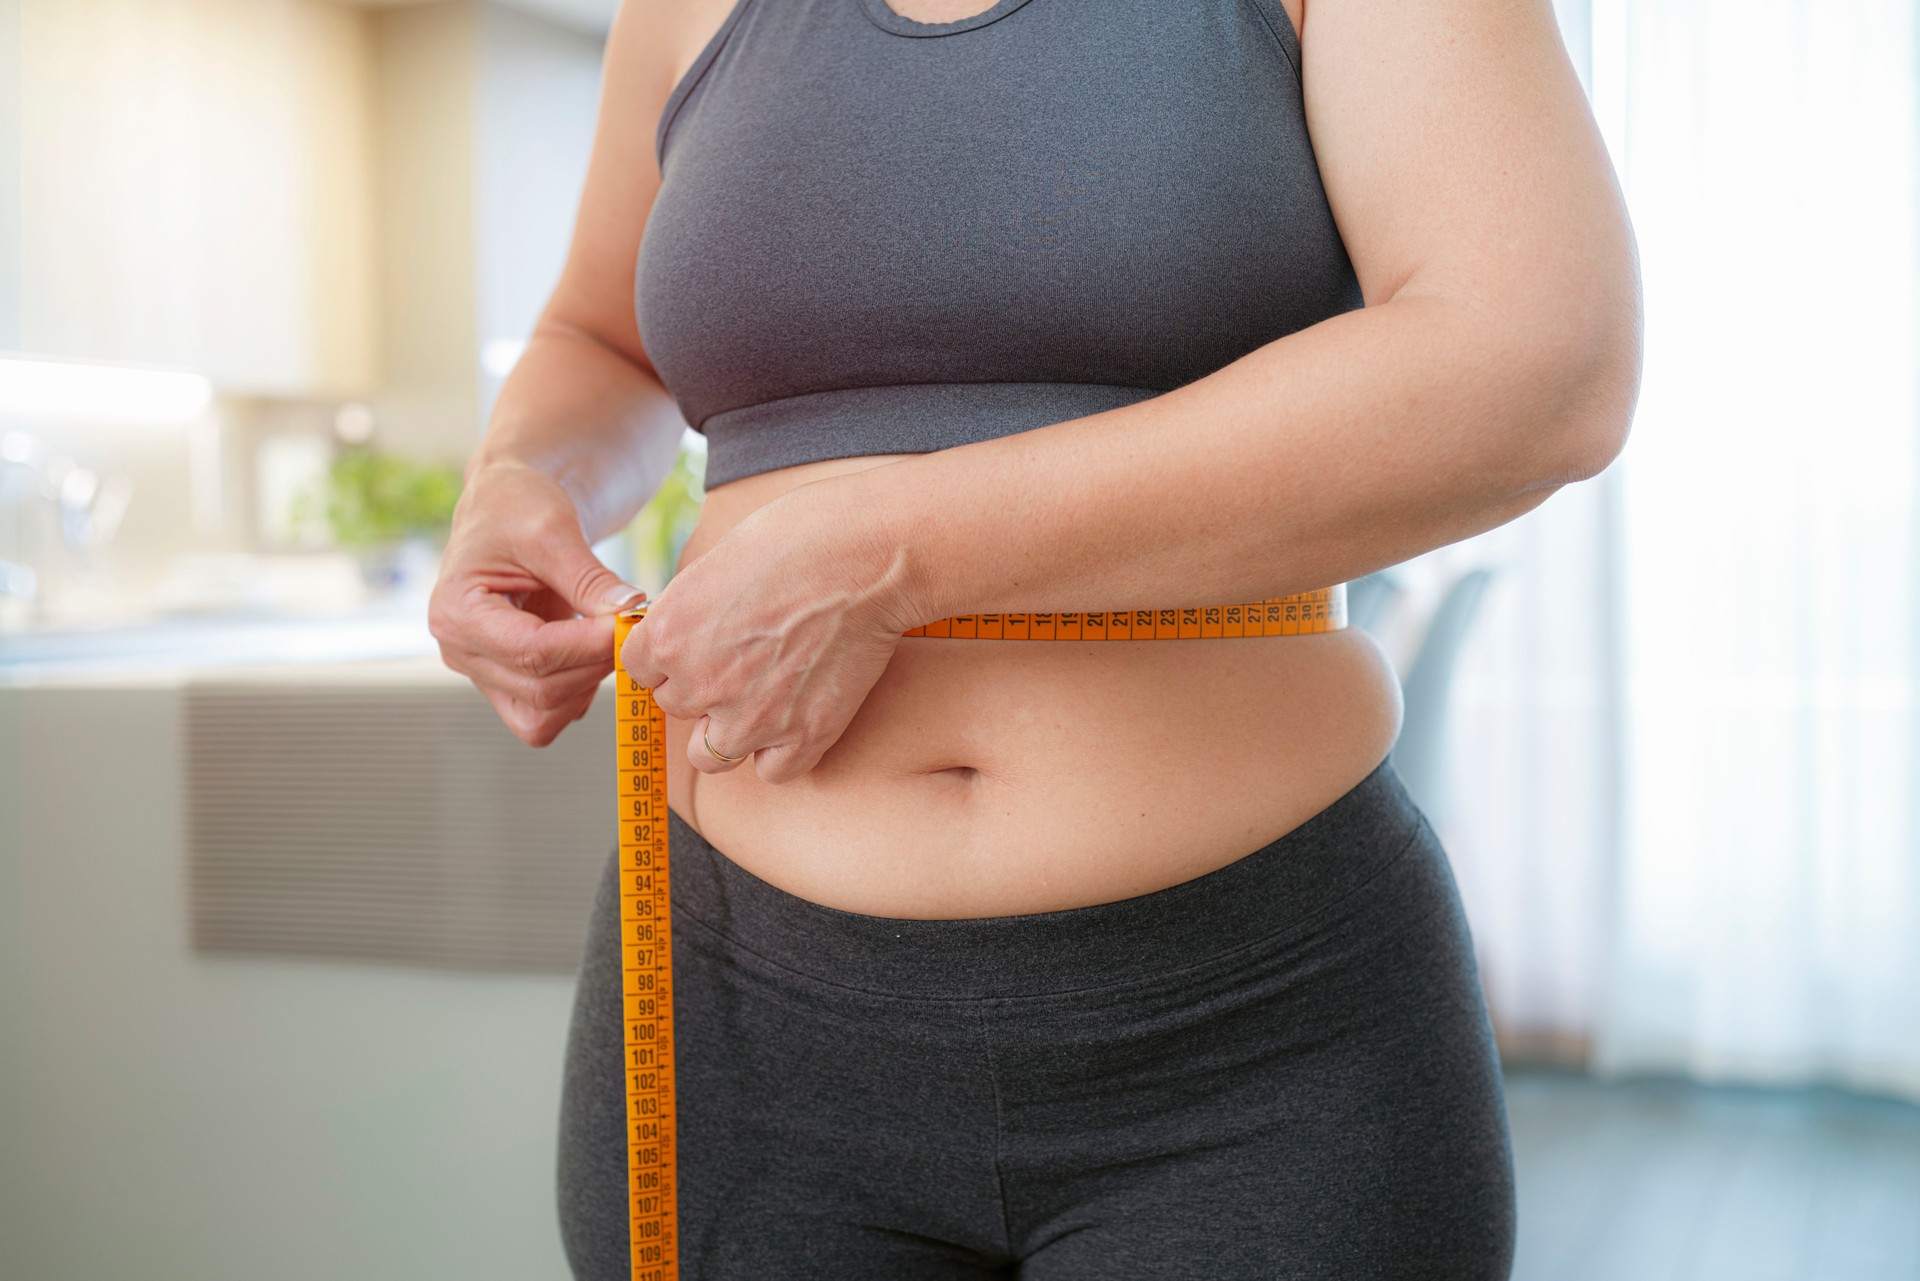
771, 638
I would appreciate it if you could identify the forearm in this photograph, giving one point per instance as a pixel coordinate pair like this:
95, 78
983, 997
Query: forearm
1338, 450
584, 414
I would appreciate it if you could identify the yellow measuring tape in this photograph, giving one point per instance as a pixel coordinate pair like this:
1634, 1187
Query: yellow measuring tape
646, 919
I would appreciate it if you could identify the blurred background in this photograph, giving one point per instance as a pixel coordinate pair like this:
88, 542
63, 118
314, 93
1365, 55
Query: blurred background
288, 922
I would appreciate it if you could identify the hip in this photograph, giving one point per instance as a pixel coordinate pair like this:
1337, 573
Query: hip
1285, 1062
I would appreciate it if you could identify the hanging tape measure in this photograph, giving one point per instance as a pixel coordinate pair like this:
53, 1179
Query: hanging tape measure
646, 918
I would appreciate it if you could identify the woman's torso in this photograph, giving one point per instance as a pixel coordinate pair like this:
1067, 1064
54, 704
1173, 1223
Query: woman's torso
985, 778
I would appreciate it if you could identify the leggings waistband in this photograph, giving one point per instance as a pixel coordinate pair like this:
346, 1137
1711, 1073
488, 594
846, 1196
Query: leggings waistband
1252, 898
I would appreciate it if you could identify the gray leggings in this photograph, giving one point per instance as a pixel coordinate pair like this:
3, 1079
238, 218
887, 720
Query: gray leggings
1280, 1069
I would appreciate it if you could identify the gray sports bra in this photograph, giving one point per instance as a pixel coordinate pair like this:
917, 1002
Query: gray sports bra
879, 236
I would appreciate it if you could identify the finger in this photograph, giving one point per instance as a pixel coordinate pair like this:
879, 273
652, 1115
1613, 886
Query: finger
530, 725
704, 759
479, 664
805, 749
542, 693
520, 719
456, 658
577, 710
784, 764
558, 555
677, 699
529, 644
638, 662
548, 606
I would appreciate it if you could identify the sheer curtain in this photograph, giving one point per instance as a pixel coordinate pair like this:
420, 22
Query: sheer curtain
1686, 795
1766, 922
1531, 818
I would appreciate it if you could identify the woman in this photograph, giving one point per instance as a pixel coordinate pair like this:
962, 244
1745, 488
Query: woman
1049, 959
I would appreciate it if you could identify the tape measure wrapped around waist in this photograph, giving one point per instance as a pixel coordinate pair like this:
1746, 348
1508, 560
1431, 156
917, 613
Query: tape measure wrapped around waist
646, 916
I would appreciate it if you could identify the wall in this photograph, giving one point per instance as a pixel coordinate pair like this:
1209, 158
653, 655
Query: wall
176, 1117
195, 188
9, 175
539, 88
425, 104
484, 125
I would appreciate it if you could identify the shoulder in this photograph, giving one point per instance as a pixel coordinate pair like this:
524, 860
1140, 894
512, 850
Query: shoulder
1459, 154
660, 39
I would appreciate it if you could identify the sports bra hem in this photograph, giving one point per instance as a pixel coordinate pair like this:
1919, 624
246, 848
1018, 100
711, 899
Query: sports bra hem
893, 418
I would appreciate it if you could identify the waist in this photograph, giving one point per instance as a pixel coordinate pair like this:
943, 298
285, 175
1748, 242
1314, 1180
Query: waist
993, 779
1273, 890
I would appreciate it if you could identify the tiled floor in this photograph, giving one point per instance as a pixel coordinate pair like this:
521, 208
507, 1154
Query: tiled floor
1662, 1181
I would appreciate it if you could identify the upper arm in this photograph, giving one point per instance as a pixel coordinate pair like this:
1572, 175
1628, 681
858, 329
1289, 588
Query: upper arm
1460, 157
647, 42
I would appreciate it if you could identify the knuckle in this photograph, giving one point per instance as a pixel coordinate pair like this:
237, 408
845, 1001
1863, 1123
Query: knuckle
765, 736
676, 701
661, 639
535, 728
529, 658
557, 696
519, 718
583, 581
516, 724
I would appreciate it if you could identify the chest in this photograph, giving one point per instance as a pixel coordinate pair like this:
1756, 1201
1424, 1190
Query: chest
1099, 191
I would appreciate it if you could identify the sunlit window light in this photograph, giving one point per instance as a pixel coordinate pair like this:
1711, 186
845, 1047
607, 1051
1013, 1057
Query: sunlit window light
500, 355
36, 388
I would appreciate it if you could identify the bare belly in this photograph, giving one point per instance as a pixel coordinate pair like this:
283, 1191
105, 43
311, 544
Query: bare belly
996, 778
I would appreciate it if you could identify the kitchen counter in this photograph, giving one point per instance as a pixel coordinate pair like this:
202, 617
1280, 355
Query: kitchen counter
173, 648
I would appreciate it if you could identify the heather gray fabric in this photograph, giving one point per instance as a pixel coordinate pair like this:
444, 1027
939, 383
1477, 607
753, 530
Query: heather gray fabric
878, 236
1282, 1069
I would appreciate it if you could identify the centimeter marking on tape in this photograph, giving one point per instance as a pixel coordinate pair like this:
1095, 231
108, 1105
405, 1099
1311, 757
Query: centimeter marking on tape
646, 969
1319, 611
646, 919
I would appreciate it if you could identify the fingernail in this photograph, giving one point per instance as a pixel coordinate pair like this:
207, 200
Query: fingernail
624, 597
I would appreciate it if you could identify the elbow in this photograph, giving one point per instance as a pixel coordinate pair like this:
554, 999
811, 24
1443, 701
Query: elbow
1595, 427
1592, 385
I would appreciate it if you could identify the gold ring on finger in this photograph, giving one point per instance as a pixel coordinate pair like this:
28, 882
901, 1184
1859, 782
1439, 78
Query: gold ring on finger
716, 753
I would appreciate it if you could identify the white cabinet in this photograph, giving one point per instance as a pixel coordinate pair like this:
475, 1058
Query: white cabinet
196, 185
170, 1113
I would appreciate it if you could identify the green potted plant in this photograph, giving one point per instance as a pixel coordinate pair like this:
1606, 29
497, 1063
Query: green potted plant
662, 527
393, 513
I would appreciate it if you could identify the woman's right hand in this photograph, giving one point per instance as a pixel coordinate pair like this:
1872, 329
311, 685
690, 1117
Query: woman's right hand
523, 608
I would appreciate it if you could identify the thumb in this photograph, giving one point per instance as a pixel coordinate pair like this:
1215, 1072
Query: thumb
566, 563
